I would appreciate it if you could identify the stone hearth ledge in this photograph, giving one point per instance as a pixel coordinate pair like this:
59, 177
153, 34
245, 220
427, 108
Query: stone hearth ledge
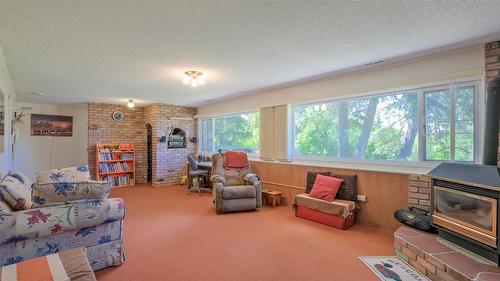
438, 261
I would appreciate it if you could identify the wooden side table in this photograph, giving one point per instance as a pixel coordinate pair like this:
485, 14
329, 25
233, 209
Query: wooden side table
272, 198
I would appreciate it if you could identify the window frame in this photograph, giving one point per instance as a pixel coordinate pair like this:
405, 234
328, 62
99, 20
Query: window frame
452, 85
452, 88
213, 117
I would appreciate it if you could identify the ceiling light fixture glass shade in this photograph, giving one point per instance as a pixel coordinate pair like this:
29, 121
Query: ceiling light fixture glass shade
130, 104
193, 78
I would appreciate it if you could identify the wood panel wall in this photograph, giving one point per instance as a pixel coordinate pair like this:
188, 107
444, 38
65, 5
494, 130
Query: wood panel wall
385, 192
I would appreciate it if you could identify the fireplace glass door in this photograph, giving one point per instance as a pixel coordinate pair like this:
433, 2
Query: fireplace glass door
468, 214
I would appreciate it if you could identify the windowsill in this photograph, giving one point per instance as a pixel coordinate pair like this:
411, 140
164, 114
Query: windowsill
391, 167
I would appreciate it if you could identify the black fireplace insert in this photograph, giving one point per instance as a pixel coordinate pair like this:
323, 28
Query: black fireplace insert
464, 207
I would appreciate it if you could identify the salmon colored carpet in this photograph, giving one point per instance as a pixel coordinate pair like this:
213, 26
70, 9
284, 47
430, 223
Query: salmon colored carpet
169, 235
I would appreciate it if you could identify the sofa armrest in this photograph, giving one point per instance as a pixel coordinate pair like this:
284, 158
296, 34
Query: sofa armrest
218, 179
250, 178
46, 221
218, 194
258, 192
4, 207
48, 194
254, 180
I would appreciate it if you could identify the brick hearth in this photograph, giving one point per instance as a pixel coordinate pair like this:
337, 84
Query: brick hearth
436, 260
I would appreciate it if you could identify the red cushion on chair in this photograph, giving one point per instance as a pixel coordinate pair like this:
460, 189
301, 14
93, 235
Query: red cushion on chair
325, 187
236, 159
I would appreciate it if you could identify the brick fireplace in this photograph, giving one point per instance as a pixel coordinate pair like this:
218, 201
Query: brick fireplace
422, 250
167, 163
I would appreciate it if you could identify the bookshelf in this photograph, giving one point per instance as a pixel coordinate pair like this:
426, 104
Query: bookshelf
116, 163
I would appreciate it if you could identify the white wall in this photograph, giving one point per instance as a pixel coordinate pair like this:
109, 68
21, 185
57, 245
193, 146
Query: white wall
37, 153
442, 67
7, 89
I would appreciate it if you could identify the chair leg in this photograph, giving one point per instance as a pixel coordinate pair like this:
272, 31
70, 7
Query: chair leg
194, 186
200, 180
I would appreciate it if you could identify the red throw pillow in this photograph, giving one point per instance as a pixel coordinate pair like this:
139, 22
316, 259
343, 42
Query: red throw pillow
325, 187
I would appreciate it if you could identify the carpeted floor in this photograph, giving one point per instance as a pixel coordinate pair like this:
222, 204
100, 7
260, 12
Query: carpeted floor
173, 236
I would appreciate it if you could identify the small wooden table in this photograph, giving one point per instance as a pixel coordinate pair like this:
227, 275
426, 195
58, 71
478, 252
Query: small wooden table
272, 198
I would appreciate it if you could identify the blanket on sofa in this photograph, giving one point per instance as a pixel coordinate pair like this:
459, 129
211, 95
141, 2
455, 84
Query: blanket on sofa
338, 207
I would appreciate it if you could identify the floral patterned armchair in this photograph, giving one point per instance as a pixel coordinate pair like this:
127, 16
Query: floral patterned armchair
58, 216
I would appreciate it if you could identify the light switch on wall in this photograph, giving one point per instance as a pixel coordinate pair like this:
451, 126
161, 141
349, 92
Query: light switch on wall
361, 198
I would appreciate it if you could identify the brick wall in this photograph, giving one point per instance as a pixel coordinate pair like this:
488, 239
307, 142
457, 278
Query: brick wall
420, 192
492, 60
492, 68
102, 129
168, 164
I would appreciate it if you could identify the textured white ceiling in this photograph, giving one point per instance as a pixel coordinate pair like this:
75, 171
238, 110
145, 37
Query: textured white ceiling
113, 51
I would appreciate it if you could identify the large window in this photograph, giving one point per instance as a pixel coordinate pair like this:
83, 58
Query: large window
449, 124
388, 126
232, 132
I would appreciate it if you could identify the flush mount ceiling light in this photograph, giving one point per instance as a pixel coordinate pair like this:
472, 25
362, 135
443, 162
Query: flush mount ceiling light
193, 78
130, 104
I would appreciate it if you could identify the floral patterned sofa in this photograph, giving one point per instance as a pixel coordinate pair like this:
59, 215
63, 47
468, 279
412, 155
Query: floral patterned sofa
63, 210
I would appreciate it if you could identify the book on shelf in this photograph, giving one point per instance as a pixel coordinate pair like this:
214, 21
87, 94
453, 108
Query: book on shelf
127, 156
114, 167
109, 156
118, 180
116, 163
105, 156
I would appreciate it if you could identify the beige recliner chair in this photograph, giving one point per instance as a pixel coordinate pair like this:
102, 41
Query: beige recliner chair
234, 189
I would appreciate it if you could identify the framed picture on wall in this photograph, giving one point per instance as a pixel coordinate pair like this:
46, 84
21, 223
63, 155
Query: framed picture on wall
51, 125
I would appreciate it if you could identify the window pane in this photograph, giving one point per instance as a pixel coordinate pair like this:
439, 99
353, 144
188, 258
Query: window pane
315, 130
464, 124
437, 125
237, 132
206, 133
379, 128
395, 128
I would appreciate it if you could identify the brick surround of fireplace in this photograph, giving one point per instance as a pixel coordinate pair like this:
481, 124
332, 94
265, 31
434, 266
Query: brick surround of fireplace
420, 192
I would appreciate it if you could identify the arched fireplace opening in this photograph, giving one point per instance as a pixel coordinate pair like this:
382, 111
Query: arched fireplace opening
177, 138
